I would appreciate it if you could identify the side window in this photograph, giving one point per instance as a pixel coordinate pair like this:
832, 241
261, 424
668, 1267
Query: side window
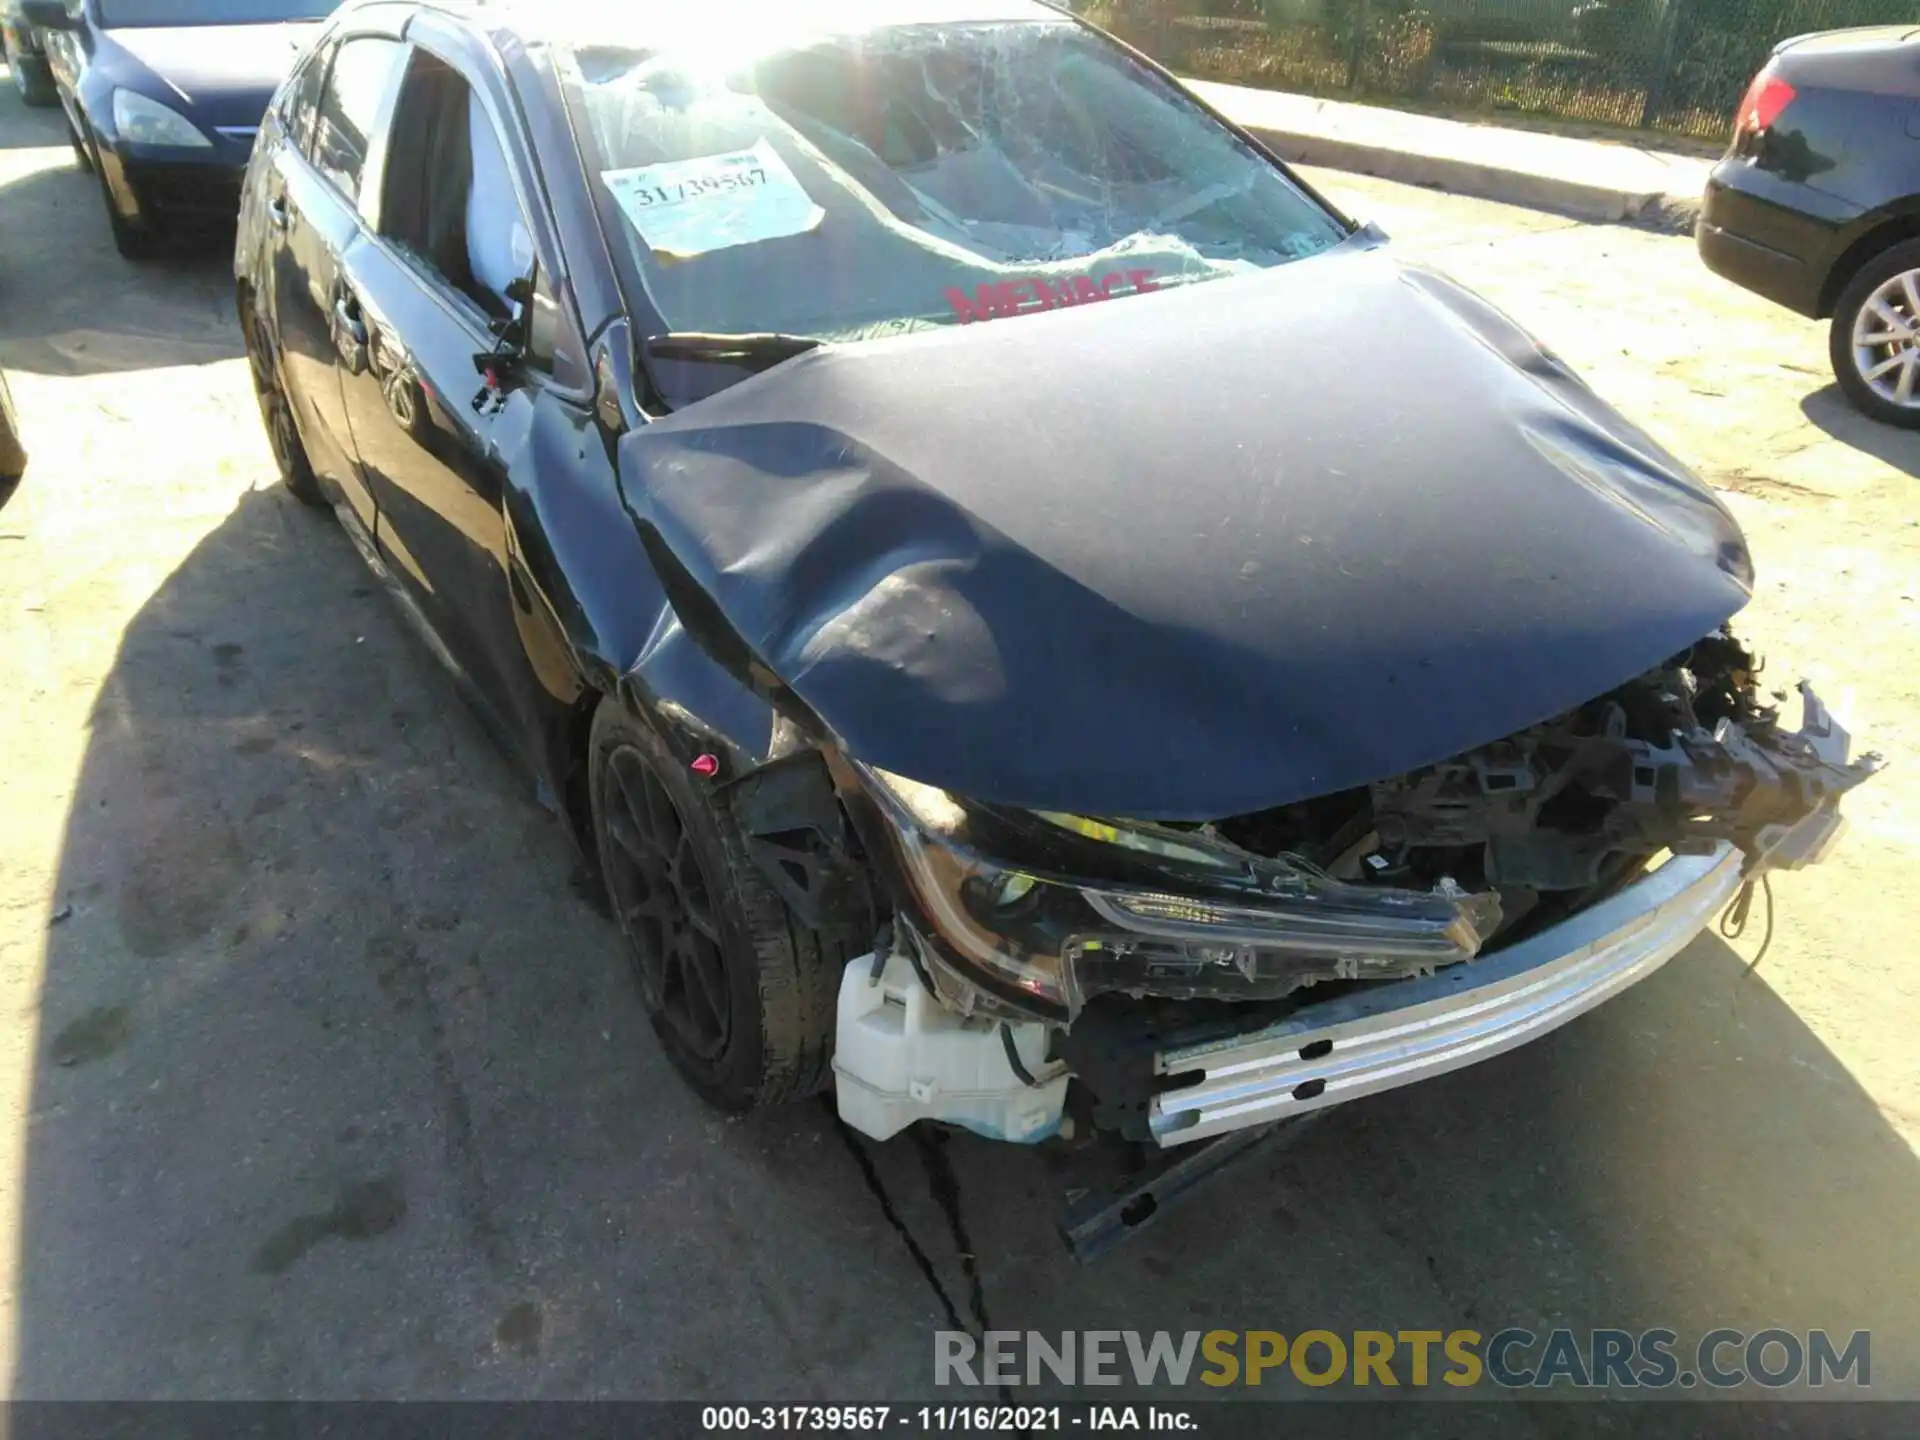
302, 98
362, 68
450, 201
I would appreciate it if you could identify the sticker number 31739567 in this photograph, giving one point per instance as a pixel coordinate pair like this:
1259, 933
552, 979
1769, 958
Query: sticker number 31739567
713, 202
647, 196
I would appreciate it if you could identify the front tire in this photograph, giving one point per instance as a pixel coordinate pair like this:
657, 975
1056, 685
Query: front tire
740, 993
1874, 341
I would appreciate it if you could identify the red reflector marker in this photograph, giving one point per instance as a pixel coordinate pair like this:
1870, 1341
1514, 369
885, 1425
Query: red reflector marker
706, 765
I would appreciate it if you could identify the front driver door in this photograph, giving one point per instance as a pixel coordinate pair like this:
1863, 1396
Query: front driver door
434, 443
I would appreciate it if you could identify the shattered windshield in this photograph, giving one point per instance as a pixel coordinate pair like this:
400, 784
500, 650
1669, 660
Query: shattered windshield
905, 175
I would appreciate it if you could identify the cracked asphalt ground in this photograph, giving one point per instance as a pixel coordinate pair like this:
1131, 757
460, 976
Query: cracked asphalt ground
319, 1079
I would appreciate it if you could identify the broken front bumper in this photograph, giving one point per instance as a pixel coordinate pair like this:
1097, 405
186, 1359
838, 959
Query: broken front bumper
1397, 1033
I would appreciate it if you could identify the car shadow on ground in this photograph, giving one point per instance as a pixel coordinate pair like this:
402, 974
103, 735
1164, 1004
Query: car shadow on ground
339, 1089
102, 314
1828, 409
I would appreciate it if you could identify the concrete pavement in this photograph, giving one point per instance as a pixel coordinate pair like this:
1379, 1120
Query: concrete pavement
1603, 180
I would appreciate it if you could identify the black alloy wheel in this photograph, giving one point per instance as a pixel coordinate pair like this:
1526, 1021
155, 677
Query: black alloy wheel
664, 900
276, 414
741, 994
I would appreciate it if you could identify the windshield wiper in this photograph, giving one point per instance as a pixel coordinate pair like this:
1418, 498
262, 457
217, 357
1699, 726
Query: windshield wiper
756, 351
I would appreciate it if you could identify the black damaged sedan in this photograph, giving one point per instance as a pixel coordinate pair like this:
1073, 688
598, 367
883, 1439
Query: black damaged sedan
916, 490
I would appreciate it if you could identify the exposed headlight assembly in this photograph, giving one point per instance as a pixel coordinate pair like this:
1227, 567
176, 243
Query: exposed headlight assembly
145, 121
1236, 928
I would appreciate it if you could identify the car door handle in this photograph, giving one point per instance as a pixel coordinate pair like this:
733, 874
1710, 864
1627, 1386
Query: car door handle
351, 325
349, 334
277, 212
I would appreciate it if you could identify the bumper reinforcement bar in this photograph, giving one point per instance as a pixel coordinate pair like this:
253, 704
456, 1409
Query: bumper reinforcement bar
1408, 1030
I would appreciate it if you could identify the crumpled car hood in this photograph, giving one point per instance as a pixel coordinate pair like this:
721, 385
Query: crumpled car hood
1187, 554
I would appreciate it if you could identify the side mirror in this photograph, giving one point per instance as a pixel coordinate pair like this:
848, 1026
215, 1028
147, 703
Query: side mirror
500, 367
48, 15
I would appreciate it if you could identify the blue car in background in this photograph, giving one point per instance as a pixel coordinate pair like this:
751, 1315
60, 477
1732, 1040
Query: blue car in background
164, 97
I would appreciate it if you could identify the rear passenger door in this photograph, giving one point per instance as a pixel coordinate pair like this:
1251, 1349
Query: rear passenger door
312, 194
448, 236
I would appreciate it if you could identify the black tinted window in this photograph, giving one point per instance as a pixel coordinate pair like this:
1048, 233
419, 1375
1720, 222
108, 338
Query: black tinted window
450, 200
302, 98
349, 107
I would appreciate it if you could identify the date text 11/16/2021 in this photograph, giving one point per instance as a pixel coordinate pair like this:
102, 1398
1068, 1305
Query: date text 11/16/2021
947, 1419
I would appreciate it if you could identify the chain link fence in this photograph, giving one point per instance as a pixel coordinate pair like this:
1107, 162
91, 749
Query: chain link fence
1673, 65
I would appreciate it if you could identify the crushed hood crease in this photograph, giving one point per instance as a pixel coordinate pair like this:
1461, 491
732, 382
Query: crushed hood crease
1187, 554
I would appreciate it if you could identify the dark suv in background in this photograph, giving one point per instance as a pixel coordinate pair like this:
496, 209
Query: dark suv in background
1816, 204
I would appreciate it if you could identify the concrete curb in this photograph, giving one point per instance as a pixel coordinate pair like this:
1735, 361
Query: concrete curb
1591, 180
1581, 199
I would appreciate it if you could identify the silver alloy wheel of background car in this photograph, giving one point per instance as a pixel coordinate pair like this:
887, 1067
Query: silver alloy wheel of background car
1873, 341
1886, 340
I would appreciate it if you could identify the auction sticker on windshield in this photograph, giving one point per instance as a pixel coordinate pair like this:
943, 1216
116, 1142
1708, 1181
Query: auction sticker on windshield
714, 202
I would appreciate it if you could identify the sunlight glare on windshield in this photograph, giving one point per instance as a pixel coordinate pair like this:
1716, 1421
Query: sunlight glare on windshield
710, 41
